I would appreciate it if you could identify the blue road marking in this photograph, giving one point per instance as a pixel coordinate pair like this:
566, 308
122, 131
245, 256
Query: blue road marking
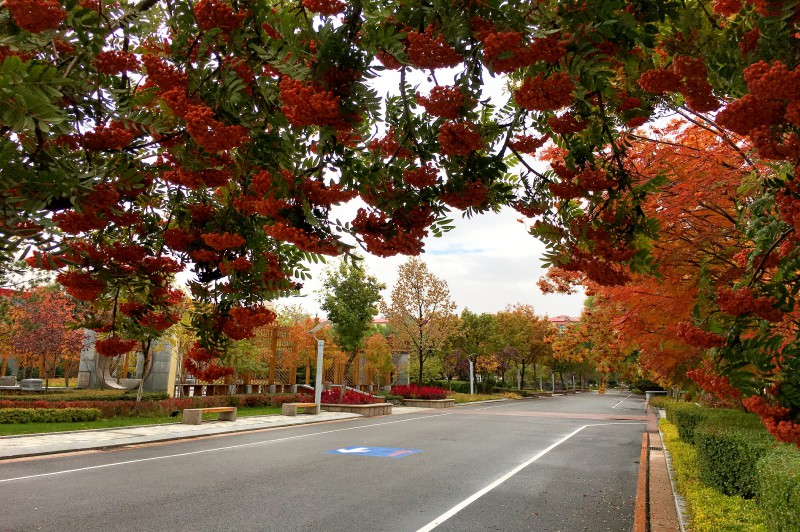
383, 452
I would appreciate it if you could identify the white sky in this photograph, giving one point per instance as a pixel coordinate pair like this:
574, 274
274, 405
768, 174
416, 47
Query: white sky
488, 261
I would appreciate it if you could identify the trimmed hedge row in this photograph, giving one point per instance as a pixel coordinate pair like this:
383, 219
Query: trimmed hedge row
85, 395
48, 415
729, 444
778, 474
711, 510
159, 408
735, 456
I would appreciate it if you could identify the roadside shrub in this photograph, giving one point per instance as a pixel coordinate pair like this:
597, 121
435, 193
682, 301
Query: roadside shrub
661, 401
85, 395
686, 416
279, 399
47, 415
729, 443
413, 391
710, 510
778, 474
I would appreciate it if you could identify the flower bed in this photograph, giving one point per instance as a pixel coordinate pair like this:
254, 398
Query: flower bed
413, 391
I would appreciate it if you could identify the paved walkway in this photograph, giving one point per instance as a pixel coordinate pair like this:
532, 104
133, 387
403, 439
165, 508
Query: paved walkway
82, 440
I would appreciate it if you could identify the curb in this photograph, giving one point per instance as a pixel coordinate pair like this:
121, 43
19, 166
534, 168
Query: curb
655, 509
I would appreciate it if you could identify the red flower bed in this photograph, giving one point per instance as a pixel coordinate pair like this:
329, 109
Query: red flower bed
332, 397
413, 391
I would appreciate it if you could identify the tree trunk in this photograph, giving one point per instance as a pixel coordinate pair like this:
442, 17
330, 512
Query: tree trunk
421, 363
347, 364
522, 377
146, 367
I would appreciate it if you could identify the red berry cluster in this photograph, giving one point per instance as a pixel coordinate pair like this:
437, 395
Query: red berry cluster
467, 195
240, 264
241, 322
106, 138
402, 233
36, 16
689, 77
527, 144
459, 138
116, 62
305, 105
566, 124
218, 14
201, 363
421, 177
303, 239
81, 285
210, 133
425, 51
221, 241
498, 45
114, 345
743, 301
709, 381
163, 75
443, 101
325, 7
697, 337
727, 8
387, 147
545, 94
777, 419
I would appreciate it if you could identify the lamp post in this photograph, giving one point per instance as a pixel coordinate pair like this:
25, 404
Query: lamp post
320, 349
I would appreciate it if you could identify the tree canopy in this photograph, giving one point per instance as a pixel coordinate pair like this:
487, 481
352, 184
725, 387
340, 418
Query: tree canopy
142, 140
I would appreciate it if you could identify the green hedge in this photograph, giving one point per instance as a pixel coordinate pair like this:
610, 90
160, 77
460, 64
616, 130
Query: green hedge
661, 401
778, 474
729, 444
710, 510
85, 395
47, 415
686, 416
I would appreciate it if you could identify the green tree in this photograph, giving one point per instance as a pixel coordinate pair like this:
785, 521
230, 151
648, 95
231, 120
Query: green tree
350, 298
477, 340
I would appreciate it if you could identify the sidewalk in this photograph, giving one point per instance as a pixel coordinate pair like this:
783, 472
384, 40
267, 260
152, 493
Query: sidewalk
84, 440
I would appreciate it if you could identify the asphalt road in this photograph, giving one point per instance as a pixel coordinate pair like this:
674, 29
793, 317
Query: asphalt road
563, 463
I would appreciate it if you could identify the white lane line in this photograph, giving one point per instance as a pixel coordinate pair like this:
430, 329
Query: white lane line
216, 449
477, 495
621, 401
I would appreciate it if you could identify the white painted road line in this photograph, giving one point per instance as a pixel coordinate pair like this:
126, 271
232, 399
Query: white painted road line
621, 401
474, 497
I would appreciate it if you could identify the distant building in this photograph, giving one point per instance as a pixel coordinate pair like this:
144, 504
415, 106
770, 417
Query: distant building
562, 322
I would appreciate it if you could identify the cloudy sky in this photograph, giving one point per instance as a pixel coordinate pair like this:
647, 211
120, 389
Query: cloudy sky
488, 261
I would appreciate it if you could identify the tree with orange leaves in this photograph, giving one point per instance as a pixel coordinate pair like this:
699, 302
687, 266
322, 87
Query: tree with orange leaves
42, 333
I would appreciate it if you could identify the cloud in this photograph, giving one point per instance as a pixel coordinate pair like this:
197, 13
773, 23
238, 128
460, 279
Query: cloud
489, 262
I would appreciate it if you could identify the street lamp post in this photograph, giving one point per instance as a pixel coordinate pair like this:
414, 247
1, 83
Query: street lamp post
320, 350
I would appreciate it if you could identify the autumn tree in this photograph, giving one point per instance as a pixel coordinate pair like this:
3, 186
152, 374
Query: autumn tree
141, 140
350, 299
524, 336
420, 312
43, 333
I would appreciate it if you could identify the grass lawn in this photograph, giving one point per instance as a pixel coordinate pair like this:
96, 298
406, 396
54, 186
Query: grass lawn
10, 429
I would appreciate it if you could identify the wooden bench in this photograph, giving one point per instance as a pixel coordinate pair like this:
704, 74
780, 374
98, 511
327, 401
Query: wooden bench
194, 416
290, 409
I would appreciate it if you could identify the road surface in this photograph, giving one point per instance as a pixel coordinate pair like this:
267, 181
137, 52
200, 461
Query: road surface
565, 463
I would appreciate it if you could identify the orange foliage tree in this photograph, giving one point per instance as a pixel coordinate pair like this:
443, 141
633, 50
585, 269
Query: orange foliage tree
42, 335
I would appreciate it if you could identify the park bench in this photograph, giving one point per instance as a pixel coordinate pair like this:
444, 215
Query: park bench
290, 409
194, 416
